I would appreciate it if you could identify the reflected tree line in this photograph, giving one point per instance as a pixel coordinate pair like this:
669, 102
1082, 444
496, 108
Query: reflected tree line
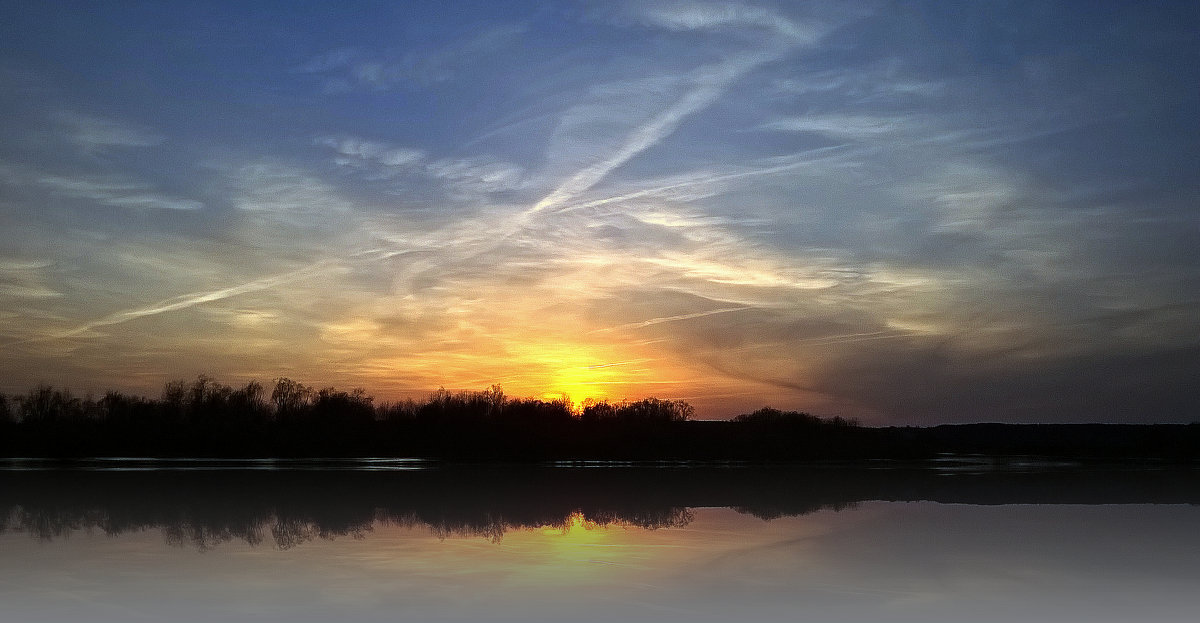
207, 418
207, 531
203, 509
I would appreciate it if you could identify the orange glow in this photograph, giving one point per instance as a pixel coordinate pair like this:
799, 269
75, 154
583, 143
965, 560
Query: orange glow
574, 371
578, 384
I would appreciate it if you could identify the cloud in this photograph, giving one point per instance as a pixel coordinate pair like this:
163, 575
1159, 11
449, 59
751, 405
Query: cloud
92, 133
116, 193
25, 280
333, 59
841, 126
707, 84
459, 178
676, 318
719, 16
18, 266
699, 185
346, 68
188, 300
939, 380
700, 88
883, 84
110, 190
360, 152
477, 175
288, 193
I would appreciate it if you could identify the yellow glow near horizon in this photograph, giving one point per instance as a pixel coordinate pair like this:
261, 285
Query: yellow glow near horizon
578, 385
573, 371
549, 365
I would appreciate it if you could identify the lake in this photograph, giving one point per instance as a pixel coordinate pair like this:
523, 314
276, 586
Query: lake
406, 541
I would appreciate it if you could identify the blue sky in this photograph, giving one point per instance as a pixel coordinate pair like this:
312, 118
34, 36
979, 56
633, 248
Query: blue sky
902, 212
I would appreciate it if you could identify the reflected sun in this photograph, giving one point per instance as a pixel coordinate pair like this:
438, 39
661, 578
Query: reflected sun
577, 528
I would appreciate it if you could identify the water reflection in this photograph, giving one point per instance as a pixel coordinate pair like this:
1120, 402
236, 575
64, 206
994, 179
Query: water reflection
682, 545
204, 506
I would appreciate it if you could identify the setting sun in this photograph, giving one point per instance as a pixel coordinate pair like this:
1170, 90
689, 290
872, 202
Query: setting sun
582, 384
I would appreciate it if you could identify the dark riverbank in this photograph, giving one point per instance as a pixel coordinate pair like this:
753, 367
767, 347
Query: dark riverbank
498, 441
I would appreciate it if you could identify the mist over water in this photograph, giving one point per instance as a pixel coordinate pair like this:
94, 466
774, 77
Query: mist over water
204, 542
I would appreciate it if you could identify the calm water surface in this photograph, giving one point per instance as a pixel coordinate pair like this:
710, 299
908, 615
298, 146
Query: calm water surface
570, 545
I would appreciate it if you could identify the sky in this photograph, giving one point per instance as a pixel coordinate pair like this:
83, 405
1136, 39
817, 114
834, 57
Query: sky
906, 213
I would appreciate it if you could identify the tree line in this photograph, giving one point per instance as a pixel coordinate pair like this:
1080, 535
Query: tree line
205, 418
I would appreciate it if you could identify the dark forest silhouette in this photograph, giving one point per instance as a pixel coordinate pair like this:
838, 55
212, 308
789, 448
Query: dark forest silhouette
205, 418
203, 506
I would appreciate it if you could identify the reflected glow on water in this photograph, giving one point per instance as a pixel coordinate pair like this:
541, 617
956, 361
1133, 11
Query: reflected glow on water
878, 561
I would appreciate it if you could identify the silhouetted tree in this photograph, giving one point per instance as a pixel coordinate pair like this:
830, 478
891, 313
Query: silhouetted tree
397, 411
249, 398
645, 411
775, 417
290, 397
46, 405
342, 407
6, 415
768, 415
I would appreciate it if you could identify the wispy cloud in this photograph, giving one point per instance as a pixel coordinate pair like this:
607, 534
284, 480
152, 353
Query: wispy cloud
708, 84
348, 68
187, 300
359, 152
110, 190
466, 178
331, 60
717, 16
288, 193
702, 184
702, 87
840, 126
477, 174
92, 133
676, 318
25, 280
